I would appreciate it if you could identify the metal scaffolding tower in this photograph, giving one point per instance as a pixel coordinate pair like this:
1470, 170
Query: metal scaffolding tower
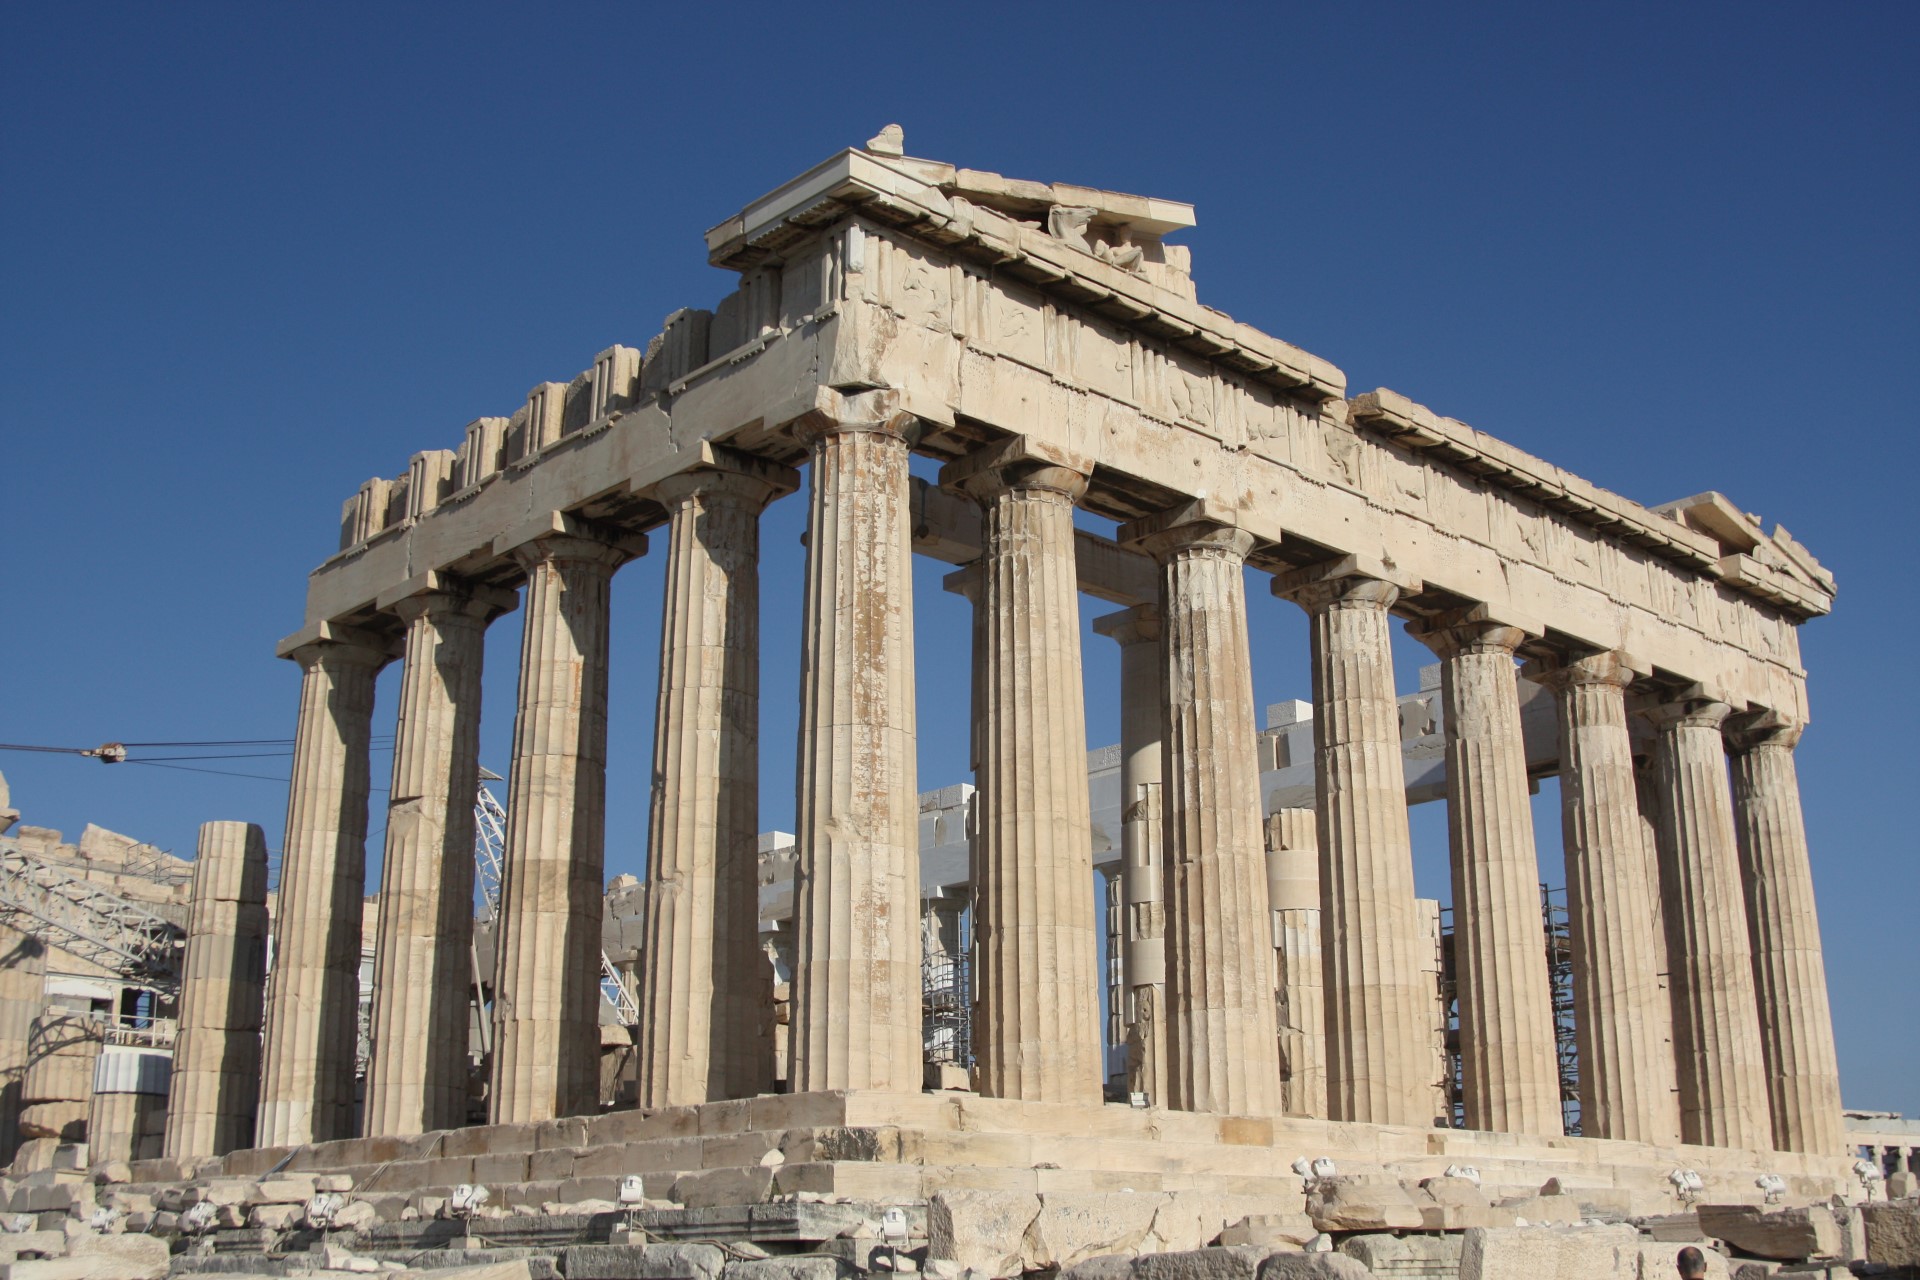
84, 919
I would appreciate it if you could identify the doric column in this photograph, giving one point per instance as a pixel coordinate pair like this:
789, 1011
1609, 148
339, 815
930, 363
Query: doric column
856, 984
306, 1083
423, 966
1509, 1063
214, 1091
23, 994
1221, 1053
1717, 1048
546, 1003
1379, 1011
1622, 1017
1796, 1029
706, 991
1143, 875
1293, 887
1036, 1030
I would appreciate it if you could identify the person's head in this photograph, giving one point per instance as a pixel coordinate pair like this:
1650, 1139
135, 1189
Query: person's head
1692, 1264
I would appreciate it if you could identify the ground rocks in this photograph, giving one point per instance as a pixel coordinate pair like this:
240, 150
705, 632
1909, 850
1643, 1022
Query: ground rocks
1786, 1235
1361, 1204
1893, 1233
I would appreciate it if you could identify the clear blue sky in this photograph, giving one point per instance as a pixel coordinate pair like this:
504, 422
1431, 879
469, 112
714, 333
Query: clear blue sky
255, 254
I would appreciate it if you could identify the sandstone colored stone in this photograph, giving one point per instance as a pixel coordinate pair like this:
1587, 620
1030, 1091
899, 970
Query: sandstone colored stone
1553, 1253
644, 1262
723, 1186
981, 1230
1230, 1262
1275, 1230
275, 1217
1893, 1233
1788, 1234
1073, 1228
1350, 1204
284, 1190
1312, 1266
356, 1216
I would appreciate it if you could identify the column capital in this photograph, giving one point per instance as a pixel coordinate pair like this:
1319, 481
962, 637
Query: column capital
1018, 462
727, 474
443, 594
337, 644
1138, 625
558, 536
1683, 712
836, 413
1615, 667
965, 581
1760, 728
1475, 629
1202, 525
1355, 580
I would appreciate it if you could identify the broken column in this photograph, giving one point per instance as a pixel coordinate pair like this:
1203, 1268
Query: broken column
1143, 871
546, 1005
306, 1086
1221, 1054
1622, 1017
1509, 1063
57, 1092
1293, 888
1378, 1009
1789, 968
856, 983
23, 983
1036, 1033
215, 1087
423, 963
1717, 1047
706, 991
127, 1116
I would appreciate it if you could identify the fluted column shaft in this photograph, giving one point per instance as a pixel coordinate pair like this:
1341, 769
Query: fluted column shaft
1510, 1073
1221, 1054
1789, 968
306, 1085
856, 987
1717, 1047
214, 1091
1036, 1027
1143, 878
1379, 1009
1293, 887
23, 994
706, 991
546, 1005
1622, 1018
423, 967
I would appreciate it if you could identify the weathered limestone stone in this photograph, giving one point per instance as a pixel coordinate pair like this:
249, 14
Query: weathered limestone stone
306, 1083
1355, 1204
1385, 1255
1143, 872
1231, 1262
1036, 1030
1723, 1095
1788, 1234
1893, 1233
23, 981
57, 1088
1554, 1253
546, 1009
1379, 1012
1071, 1228
214, 1096
1510, 1076
1789, 968
1293, 889
422, 982
1622, 1018
1274, 1230
706, 995
1312, 1266
982, 1230
1220, 1055
644, 1262
856, 989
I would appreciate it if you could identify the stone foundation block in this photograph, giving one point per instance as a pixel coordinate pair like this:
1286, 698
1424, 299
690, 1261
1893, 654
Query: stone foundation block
1274, 1230
1354, 1204
1787, 1235
981, 1230
1893, 1233
644, 1262
1229, 1262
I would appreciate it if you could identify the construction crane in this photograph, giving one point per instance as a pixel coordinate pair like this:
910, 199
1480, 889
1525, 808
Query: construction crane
81, 918
489, 845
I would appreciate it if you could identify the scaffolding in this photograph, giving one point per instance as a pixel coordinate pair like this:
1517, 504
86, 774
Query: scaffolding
1559, 958
946, 984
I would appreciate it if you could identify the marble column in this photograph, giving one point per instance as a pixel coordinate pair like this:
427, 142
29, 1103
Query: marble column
1717, 1046
1293, 887
1796, 1028
1221, 1054
1509, 1061
1143, 877
706, 991
1622, 1017
306, 1083
1036, 979
423, 967
23, 994
214, 1089
1379, 1011
546, 1004
856, 983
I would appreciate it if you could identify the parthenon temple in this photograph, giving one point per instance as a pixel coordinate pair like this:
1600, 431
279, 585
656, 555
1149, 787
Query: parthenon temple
1273, 995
